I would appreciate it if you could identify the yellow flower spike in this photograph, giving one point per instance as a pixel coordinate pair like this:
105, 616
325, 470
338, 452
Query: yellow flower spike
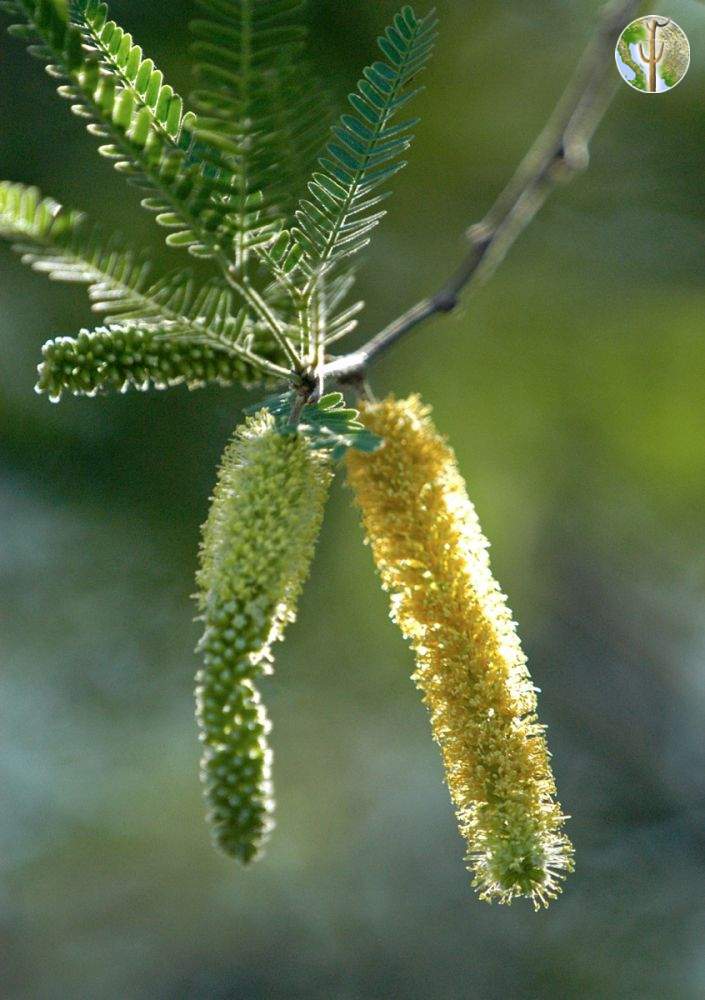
257, 547
432, 557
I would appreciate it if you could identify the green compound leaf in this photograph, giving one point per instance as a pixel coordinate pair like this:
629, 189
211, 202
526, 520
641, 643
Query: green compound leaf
261, 115
214, 337
62, 244
343, 208
142, 87
138, 117
327, 424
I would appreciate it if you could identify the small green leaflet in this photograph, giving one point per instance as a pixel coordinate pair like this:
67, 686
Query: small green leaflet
327, 424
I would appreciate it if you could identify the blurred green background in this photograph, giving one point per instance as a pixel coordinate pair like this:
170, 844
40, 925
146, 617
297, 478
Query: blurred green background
572, 389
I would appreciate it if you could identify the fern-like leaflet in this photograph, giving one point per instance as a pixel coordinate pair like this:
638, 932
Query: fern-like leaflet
343, 207
144, 138
259, 113
328, 424
336, 221
144, 91
225, 185
138, 77
61, 243
124, 99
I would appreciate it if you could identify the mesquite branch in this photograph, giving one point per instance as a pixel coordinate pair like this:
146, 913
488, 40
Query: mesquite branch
560, 151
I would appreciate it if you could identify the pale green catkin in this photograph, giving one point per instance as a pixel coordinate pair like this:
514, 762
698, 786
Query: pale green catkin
257, 548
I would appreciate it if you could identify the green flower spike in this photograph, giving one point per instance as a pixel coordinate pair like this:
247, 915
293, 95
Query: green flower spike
257, 547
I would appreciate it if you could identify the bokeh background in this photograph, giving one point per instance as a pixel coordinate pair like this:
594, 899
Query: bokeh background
572, 387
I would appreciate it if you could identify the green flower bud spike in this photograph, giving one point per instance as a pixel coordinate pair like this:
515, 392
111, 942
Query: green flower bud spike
135, 356
257, 548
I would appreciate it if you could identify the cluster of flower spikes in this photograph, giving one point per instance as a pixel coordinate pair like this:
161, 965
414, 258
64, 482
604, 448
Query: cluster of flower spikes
257, 548
137, 356
432, 556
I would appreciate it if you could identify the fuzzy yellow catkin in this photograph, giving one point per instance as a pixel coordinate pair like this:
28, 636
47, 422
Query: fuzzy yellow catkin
432, 557
257, 547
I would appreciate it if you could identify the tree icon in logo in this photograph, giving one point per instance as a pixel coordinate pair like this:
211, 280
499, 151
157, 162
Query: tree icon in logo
653, 54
